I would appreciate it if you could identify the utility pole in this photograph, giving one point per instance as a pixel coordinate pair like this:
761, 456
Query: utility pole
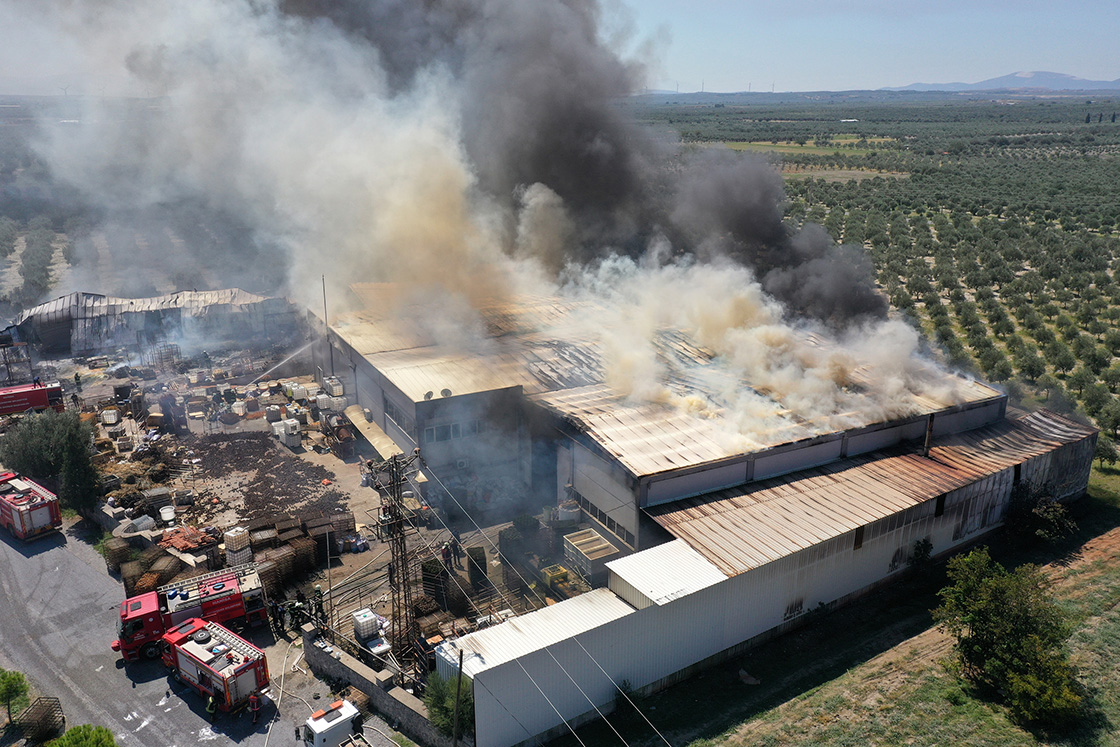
458, 690
327, 326
402, 625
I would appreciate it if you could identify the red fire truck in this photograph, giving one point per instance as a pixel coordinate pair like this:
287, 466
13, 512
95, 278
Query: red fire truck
215, 662
24, 397
220, 596
27, 509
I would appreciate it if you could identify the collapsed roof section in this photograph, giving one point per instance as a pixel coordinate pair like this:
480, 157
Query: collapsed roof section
546, 348
80, 323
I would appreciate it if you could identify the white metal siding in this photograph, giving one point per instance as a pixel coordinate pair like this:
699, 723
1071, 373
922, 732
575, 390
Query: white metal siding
695, 483
595, 481
795, 459
659, 640
875, 440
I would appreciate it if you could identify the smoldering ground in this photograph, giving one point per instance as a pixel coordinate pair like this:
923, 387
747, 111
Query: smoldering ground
472, 149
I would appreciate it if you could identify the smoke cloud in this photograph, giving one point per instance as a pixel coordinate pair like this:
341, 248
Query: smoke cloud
470, 150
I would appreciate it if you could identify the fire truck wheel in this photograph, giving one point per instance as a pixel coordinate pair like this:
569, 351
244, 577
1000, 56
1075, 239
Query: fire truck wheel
150, 651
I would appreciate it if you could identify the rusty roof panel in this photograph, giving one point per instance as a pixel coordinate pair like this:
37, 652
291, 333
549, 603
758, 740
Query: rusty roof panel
745, 527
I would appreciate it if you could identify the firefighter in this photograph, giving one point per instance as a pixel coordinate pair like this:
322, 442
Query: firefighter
255, 706
456, 550
78, 380
297, 613
445, 553
211, 708
276, 616
319, 602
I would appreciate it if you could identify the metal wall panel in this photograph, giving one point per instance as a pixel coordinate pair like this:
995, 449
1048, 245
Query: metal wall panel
695, 483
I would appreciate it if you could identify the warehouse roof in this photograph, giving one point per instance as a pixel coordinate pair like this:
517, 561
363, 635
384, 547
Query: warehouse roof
549, 347
746, 527
522, 635
665, 572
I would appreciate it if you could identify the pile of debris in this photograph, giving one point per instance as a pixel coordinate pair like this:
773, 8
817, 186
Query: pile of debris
272, 477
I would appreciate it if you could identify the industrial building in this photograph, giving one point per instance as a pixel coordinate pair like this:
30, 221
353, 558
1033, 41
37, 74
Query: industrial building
722, 543
82, 323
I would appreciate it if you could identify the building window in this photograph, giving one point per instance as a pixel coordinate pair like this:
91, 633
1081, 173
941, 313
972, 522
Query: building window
859, 538
397, 415
939, 507
603, 518
443, 433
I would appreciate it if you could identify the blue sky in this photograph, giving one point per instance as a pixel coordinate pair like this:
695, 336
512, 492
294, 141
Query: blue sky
806, 45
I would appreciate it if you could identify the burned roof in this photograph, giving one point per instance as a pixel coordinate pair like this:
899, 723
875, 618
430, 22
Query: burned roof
742, 528
550, 349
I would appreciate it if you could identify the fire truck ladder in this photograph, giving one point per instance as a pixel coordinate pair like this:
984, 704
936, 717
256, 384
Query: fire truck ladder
402, 626
221, 635
191, 584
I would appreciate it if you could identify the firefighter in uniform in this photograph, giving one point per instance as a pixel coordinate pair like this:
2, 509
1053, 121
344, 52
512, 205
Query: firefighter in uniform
211, 707
255, 706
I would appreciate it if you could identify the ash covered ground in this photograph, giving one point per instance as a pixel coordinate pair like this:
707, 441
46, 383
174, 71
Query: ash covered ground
251, 473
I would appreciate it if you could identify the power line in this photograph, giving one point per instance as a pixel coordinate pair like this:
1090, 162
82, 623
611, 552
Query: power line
543, 603
404, 570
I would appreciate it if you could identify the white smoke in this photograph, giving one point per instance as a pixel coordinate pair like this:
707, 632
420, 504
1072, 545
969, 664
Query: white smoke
469, 176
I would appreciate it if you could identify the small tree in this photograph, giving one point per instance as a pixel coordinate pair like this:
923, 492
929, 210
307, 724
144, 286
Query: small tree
1106, 450
13, 686
439, 698
1010, 636
86, 735
54, 446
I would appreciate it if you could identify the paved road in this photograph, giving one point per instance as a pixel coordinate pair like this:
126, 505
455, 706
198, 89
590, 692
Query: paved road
58, 613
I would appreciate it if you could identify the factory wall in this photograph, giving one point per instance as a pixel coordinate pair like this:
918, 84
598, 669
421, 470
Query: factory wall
659, 645
602, 485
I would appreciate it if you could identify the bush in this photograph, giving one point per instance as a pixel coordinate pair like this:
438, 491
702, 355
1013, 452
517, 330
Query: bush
1011, 637
439, 698
1037, 516
86, 736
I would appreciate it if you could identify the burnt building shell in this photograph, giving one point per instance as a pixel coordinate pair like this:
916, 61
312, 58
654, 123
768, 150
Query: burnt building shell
81, 323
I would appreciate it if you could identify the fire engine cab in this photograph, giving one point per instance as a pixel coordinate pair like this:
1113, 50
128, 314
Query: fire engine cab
215, 662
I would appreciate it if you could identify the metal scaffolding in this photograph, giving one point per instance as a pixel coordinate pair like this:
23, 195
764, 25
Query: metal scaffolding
390, 477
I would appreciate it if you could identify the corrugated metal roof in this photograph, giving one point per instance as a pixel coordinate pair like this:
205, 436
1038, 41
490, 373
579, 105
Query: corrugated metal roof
667, 572
536, 343
84, 305
537, 630
743, 528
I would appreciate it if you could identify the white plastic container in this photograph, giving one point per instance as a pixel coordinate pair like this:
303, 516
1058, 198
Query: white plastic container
366, 623
111, 416
338, 404
239, 557
238, 408
272, 413
291, 425
323, 402
167, 514
333, 387
312, 391
236, 539
299, 392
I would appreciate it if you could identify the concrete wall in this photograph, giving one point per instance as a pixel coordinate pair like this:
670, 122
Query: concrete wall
404, 711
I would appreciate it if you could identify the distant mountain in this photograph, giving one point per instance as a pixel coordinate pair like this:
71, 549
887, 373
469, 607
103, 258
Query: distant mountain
1019, 81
